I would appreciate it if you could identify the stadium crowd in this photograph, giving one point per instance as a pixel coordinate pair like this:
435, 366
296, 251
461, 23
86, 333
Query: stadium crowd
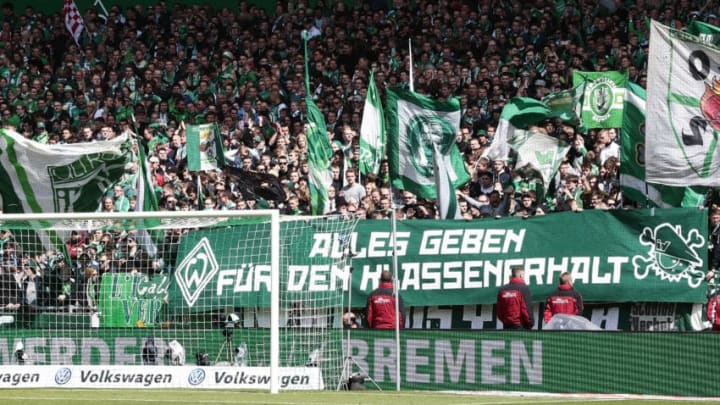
149, 71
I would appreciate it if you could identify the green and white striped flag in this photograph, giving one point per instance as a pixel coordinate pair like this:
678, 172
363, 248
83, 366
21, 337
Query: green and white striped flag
37, 178
603, 99
632, 161
204, 147
372, 131
423, 156
319, 155
518, 113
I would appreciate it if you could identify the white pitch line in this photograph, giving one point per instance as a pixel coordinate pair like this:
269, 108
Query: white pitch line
245, 401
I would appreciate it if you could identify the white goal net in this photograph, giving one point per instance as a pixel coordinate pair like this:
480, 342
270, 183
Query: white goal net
176, 299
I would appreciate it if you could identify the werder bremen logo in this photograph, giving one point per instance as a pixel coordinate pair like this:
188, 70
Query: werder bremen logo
196, 270
671, 255
425, 132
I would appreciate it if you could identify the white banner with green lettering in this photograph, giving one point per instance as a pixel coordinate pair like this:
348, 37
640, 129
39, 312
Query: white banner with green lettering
618, 256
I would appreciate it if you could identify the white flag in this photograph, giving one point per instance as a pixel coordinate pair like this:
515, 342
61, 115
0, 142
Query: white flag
38, 178
421, 142
539, 153
518, 113
73, 20
683, 110
372, 131
204, 147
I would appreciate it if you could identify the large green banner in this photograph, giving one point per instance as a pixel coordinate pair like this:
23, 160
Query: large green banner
568, 362
614, 256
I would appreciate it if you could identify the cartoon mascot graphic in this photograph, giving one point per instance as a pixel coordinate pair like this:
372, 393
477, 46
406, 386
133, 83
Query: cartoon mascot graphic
710, 104
671, 256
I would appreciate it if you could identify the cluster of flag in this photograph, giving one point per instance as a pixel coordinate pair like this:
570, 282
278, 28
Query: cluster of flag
661, 157
682, 105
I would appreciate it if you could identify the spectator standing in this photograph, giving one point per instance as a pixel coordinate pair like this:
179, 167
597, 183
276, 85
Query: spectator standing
513, 301
352, 188
712, 310
565, 300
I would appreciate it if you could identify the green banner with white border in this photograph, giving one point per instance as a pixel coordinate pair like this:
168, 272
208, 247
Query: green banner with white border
614, 256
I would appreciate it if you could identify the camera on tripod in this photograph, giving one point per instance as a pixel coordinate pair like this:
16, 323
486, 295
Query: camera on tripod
149, 352
20, 355
229, 323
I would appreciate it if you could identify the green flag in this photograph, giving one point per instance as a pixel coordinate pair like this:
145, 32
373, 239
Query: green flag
319, 149
147, 199
37, 178
372, 131
518, 113
204, 147
423, 156
565, 104
603, 98
632, 161
319, 155
705, 32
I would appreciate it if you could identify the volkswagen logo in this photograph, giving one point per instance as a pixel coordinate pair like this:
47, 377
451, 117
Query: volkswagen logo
62, 376
196, 377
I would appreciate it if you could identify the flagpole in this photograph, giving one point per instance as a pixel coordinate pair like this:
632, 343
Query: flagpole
412, 79
199, 194
396, 292
102, 6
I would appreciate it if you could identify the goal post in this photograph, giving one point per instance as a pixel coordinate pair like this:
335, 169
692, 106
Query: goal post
208, 299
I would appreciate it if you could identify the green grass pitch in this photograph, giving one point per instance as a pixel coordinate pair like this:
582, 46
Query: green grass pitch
128, 397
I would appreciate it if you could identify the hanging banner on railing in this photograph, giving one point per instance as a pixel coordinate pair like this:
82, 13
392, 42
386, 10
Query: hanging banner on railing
132, 299
617, 256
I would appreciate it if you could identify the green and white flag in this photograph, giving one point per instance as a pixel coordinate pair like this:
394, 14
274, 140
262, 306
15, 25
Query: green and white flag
204, 147
319, 149
37, 178
683, 106
147, 199
539, 155
319, 155
566, 104
423, 156
518, 113
372, 131
705, 32
603, 99
632, 161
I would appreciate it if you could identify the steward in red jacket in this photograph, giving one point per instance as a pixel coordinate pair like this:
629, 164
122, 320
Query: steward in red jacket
713, 304
513, 301
381, 305
713, 312
565, 300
